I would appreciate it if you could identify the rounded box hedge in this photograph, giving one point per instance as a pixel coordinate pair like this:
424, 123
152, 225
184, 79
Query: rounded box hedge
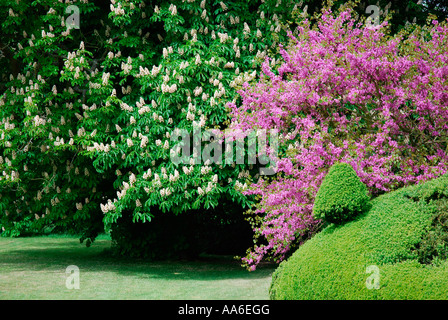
342, 195
340, 261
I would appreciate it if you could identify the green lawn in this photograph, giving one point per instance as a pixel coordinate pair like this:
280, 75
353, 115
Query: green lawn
35, 268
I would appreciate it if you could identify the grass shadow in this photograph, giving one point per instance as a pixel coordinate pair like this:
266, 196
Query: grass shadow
38, 254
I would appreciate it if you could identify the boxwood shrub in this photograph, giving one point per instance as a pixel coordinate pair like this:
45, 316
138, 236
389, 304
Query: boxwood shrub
342, 196
334, 264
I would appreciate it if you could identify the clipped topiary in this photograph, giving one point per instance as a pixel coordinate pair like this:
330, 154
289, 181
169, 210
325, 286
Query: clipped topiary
341, 196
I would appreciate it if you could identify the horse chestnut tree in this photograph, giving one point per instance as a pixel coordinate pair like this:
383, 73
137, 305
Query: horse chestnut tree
91, 94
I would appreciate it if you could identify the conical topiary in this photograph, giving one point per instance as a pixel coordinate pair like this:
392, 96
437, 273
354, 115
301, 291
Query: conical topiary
341, 196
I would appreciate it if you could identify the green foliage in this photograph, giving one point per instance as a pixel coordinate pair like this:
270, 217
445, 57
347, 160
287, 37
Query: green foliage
333, 264
87, 114
433, 246
342, 196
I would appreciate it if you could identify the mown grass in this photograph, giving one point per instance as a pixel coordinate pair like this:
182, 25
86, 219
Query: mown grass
35, 268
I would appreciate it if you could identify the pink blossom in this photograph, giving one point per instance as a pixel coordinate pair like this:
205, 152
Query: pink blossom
345, 93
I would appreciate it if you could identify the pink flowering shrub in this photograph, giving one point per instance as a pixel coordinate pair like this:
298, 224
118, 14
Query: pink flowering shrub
345, 92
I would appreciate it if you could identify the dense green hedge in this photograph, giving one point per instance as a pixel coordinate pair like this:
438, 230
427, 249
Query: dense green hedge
342, 195
333, 264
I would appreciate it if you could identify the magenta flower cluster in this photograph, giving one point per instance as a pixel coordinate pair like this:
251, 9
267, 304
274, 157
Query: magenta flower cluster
352, 93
